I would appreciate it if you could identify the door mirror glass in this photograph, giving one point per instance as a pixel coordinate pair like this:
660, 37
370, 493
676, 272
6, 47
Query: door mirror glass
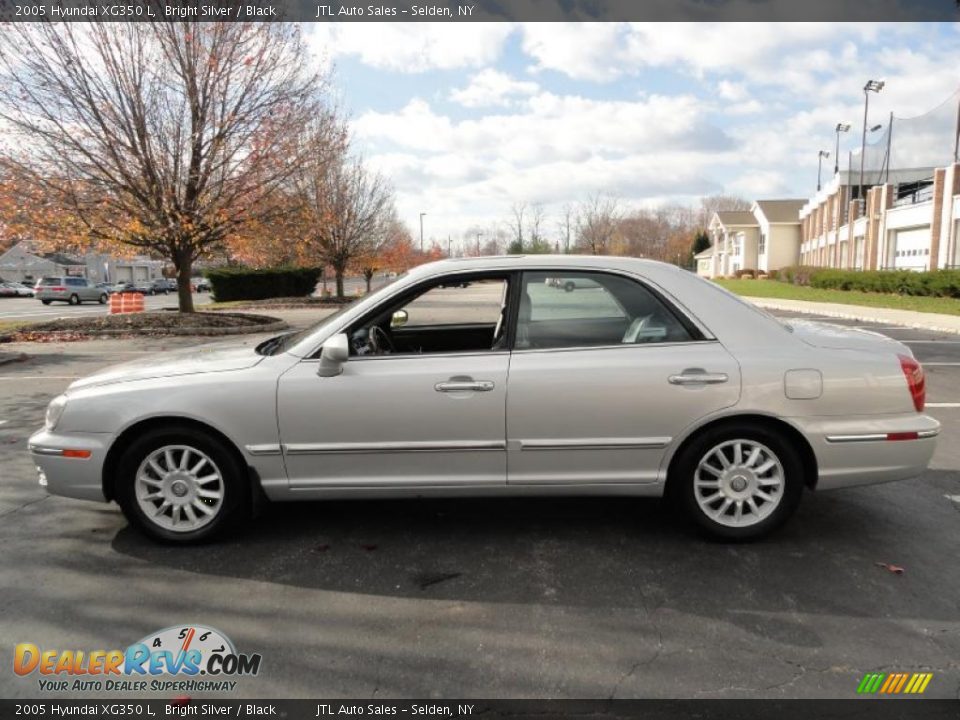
399, 318
335, 352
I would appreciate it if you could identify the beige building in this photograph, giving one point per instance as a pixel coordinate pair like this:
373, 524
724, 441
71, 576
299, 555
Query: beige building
764, 238
909, 220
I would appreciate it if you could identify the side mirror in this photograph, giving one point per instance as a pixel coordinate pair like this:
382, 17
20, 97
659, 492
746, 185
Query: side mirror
336, 351
399, 318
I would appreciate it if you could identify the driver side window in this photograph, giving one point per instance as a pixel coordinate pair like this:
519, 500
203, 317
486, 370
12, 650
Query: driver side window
457, 315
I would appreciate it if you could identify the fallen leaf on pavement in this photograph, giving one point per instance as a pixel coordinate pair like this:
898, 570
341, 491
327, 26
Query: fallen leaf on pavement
895, 569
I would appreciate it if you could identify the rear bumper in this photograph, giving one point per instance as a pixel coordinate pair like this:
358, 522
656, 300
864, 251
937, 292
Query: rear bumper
863, 451
75, 477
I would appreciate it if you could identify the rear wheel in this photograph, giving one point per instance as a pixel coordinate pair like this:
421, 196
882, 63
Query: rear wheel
181, 486
739, 481
103, 298
46, 302
74, 300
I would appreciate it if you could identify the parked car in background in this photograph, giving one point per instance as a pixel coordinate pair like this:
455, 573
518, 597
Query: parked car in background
22, 289
106, 287
654, 383
570, 284
201, 285
7, 290
125, 286
169, 283
72, 290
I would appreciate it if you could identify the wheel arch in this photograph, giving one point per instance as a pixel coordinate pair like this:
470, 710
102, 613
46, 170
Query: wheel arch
130, 433
790, 432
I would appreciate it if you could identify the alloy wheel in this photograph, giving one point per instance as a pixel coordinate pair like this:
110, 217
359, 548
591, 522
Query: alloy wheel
179, 488
739, 483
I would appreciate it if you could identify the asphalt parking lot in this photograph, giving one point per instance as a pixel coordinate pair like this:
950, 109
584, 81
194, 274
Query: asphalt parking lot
507, 598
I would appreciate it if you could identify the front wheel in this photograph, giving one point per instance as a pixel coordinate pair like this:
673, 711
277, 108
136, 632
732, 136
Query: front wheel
74, 300
103, 298
181, 485
739, 481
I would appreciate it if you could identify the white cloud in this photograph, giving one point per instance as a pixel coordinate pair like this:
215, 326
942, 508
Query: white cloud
411, 47
492, 88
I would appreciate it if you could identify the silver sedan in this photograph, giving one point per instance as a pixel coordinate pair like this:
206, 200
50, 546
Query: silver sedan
476, 377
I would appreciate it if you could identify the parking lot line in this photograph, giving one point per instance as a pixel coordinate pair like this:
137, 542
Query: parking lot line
943, 405
930, 342
941, 364
39, 377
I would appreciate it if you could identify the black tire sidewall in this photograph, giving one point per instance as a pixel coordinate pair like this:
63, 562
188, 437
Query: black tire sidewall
236, 492
691, 455
74, 300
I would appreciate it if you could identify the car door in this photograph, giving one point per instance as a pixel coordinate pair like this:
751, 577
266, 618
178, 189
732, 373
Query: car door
415, 418
602, 379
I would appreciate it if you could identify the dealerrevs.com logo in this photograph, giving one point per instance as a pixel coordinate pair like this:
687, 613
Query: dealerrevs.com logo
182, 658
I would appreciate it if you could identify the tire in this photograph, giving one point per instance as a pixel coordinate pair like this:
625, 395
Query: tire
179, 489
711, 499
46, 302
569, 286
103, 298
74, 300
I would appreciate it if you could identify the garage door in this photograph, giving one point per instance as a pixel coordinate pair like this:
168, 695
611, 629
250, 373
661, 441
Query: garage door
124, 274
912, 249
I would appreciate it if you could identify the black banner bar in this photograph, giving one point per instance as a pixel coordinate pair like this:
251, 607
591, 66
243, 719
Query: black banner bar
483, 10
872, 709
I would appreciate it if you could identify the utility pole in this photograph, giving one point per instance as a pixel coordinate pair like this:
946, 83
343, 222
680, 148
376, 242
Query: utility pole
421, 232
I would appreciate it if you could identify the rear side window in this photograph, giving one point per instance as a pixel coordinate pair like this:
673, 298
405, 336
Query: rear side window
76, 281
587, 309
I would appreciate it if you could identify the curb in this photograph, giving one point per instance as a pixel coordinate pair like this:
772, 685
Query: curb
861, 317
201, 332
7, 359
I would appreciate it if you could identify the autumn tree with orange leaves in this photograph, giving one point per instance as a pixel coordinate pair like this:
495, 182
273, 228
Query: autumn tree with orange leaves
161, 136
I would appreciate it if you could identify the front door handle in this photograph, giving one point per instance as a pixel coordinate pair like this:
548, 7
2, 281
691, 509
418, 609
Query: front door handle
698, 377
464, 386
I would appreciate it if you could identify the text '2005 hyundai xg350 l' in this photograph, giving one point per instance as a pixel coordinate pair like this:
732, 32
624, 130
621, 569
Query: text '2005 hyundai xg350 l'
501, 376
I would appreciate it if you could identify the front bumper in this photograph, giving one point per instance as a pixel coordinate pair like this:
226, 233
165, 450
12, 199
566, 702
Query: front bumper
71, 475
857, 451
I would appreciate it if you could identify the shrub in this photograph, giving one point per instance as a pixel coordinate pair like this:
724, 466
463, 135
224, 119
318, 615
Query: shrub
246, 284
938, 283
746, 273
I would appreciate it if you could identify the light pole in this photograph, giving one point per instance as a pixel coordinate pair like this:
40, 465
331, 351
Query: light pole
871, 86
842, 127
421, 232
820, 156
478, 243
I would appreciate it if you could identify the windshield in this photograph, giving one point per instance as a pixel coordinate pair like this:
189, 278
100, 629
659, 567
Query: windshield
282, 343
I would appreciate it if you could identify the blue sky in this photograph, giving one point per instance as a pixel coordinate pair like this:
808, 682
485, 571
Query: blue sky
467, 119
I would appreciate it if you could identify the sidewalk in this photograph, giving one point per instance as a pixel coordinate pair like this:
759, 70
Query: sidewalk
885, 316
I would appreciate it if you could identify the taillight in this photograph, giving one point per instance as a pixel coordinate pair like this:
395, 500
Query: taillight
913, 371
57, 288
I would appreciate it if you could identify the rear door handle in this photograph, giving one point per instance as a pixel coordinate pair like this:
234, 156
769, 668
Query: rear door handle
464, 386
698, 378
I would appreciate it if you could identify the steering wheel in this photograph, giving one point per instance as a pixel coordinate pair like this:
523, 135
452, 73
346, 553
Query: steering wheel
380, 341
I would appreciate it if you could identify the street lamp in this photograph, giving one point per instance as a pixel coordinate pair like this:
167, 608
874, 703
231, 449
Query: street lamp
478, 243
421, 232
842, 127
871, 86
820, 156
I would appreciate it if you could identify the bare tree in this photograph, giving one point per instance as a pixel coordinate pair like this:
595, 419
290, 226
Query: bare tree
598, 221
517, 212
160, 135
537, 243
566, 225
713, 203
344, 209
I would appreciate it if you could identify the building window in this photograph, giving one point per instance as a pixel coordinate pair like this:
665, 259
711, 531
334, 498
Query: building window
762, 247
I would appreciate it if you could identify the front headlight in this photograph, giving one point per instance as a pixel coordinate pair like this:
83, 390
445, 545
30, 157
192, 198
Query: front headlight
54, 411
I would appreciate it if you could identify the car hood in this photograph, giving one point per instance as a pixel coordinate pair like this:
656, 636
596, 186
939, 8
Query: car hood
826, 335
204, 359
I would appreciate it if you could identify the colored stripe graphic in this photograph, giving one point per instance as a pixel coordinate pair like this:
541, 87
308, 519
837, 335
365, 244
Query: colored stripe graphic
894, 683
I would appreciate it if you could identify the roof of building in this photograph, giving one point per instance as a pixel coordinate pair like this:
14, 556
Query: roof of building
736, 217
61, 259
781, 211
704, 254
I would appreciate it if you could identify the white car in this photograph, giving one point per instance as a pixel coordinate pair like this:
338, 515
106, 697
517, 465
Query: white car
473, 377
16, 289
